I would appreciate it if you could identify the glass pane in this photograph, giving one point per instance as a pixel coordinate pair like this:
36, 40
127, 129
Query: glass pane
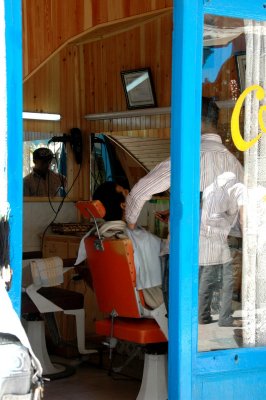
232, 244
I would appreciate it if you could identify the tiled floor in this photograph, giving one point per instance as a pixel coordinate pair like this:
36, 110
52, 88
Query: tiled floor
92, 383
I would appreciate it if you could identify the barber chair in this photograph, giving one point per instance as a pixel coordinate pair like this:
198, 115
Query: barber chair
111, 262
40, 300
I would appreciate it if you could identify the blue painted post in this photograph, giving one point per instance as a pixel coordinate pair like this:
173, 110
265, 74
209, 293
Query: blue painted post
13, 19
184, 209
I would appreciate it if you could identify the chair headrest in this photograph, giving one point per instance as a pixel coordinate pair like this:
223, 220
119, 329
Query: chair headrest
91, 208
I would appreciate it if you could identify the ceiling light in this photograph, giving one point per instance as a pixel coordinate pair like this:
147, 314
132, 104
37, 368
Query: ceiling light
41, 116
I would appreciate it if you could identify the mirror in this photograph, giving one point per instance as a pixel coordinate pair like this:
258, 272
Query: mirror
44, 170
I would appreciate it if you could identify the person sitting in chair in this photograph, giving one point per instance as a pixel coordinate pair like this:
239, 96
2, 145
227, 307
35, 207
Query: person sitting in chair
146, 246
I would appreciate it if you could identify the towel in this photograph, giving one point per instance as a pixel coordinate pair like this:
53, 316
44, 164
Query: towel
47, 272
108, 229
147, 248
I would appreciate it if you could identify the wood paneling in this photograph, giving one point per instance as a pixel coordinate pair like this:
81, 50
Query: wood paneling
41, 93
137, 48
148, 151
130, 124
83, 79
83, 76
50, 24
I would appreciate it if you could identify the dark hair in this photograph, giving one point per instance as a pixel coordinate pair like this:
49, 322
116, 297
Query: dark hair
111, 200
43, 153
210, 111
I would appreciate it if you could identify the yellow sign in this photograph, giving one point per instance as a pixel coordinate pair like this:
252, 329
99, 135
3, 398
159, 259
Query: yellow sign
238, 140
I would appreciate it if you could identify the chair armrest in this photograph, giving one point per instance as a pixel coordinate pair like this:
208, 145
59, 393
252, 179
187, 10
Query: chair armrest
44, 305
66, 269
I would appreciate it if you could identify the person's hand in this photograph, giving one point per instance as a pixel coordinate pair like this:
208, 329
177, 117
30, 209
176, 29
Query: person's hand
131, 226
162, 216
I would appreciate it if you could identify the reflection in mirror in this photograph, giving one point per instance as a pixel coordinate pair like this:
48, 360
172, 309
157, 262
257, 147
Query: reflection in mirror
136, 156
44, 169
232, 292
108, 163
125, 160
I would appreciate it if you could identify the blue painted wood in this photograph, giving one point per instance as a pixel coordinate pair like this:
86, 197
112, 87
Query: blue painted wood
234, 360
184, 208
250, 385
13, 19
250, 9
226, 374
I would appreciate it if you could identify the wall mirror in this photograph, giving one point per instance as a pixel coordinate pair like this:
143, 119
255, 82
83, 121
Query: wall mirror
38, 186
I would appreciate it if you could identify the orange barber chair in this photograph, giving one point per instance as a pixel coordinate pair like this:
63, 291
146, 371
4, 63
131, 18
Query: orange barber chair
111, 262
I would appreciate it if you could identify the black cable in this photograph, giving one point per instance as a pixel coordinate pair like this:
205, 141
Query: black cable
61, 177
49, 197
59, 207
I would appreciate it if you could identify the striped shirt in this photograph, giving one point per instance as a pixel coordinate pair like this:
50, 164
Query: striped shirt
215, 159
156, 181
220, 204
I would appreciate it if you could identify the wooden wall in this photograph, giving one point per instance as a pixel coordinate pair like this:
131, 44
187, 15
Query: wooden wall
73, 56
85, 79
50, 24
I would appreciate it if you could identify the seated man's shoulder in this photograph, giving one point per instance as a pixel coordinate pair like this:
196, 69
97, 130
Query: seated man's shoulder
57, 175
28, 177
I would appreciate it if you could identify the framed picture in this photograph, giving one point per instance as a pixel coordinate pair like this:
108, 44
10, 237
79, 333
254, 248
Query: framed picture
138, 88
241, 69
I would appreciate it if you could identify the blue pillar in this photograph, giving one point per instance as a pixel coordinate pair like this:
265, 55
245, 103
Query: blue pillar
13, 19
184, 208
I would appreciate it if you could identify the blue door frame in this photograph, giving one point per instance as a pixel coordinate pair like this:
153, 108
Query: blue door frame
227, 374
13, 19
219, 375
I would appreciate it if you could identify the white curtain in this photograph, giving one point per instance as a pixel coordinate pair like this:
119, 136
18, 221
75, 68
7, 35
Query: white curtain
254, 235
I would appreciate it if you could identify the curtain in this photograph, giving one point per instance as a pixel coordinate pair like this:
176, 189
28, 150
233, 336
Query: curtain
254, 232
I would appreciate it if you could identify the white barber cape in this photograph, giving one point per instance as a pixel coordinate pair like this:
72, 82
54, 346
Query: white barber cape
147, 249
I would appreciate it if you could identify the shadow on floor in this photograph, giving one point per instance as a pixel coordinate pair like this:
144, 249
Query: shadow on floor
95, 383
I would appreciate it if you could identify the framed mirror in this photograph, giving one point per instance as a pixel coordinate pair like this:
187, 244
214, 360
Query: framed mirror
138, 87
44, 169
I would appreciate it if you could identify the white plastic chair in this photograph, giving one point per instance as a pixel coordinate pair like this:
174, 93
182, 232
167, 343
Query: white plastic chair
48, 273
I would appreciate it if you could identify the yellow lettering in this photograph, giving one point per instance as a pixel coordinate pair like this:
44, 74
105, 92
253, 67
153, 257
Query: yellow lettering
261, 123
238, 140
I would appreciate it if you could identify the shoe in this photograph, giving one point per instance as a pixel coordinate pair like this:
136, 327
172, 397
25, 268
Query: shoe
206, 321
238, 333
236, 323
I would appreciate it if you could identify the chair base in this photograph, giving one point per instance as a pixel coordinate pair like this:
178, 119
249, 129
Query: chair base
36, 334
154, 380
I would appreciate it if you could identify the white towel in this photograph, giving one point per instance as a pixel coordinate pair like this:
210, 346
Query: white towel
147, 249
108, 229
47, 272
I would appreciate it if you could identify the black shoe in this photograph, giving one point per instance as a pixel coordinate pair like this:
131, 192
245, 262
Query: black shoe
206, 321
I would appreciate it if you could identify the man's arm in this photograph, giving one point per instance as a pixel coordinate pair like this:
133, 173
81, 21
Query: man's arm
156, 181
